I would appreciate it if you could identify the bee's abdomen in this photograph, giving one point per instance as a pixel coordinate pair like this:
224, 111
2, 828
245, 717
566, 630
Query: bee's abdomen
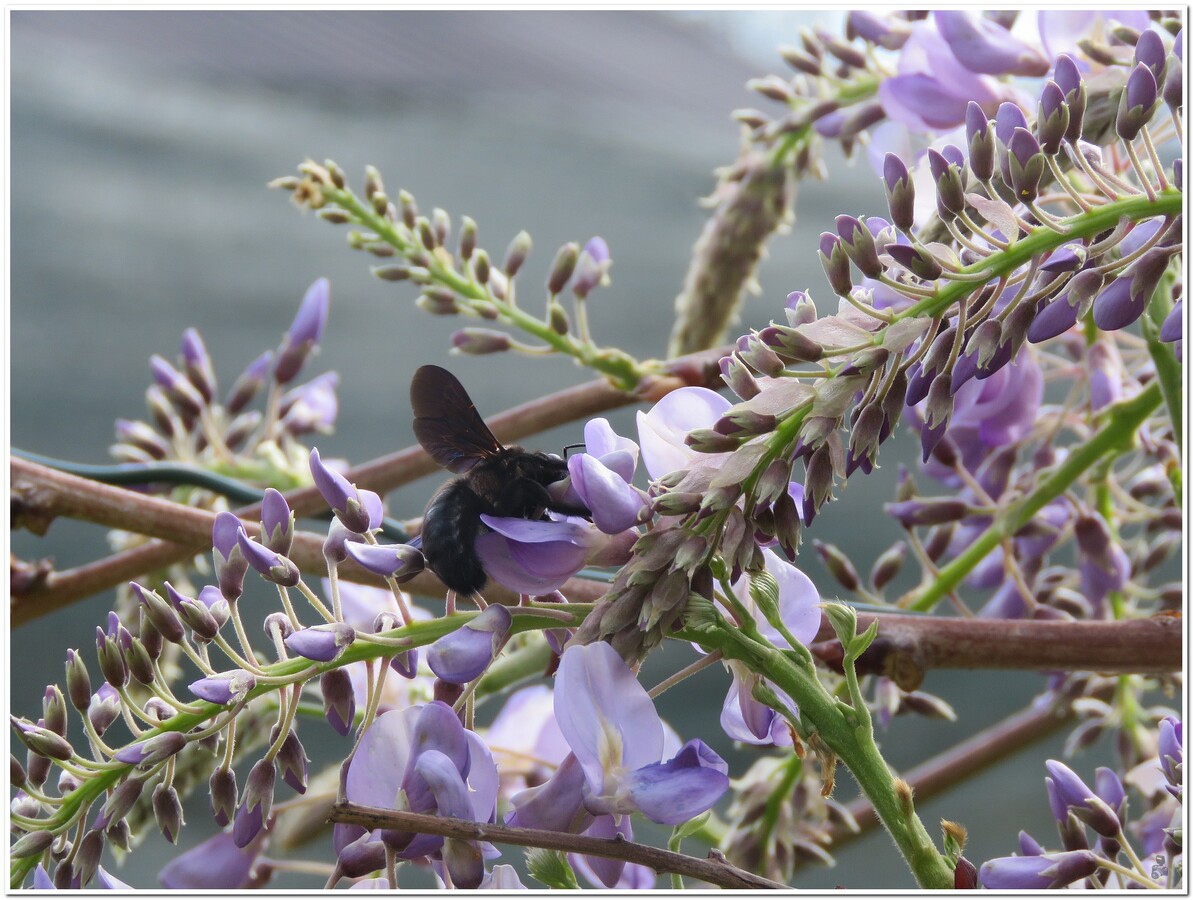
450, 528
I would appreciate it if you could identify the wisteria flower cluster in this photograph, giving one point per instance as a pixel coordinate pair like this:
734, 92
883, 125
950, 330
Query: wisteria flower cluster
1016, 312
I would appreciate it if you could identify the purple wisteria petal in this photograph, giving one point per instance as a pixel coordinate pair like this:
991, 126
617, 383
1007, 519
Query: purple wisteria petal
1171, 749
304, 332
605, 713
216, 864
1173, 328
152, 750
984, 46
436, 728
312, 407
1037, 873
465, 653
534, 557
922, 102
230, 563
321, 643
270, 565
677, 790
341, 495
462, 858
379, 764
614, 503
387, 560
502, 878
618, 453
105, 880
601, 871
799, 601
1071, 790
661, 431
42, 880
227, 687
748, 720
553, 805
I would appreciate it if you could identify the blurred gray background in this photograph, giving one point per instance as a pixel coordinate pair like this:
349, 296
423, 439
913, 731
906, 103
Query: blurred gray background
141, 143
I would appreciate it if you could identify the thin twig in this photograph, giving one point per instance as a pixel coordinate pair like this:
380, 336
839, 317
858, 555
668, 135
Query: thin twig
713, 871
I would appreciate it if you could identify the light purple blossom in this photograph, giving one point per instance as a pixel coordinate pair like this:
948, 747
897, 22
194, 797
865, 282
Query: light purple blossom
1172, 753
932, 88
661, 431
321, 643
358, 510
304, 332
1061, 30
1037, 873
423, 760
617, 743
465, 653
226, 687
744, 718
982, 45
538, 557
216, 864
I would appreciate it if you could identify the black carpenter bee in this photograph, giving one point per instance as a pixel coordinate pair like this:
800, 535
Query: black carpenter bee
495, 480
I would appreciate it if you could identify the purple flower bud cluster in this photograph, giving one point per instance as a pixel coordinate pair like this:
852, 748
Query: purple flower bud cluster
1080, 809
190, 422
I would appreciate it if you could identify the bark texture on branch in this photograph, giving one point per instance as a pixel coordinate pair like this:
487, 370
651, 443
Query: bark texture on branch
714, 870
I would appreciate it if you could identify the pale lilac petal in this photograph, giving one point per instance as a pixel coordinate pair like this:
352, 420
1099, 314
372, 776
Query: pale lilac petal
601, 440
661, 431
599, 870
554, 804
799, 601
216, 864
677, 790
984, 46
1173, 328
614, 503
465, 653
604, 713
379, 764
534, 557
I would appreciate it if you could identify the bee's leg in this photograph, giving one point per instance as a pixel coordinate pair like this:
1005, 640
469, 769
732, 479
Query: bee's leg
476, 598
449, 608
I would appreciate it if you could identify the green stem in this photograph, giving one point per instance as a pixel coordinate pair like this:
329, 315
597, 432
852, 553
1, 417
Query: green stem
1122, 421
620, 368
1169, 372
853, 745
1041, 240
417, 633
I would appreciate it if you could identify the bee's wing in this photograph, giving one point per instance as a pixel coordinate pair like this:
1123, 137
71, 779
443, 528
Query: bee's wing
446, 422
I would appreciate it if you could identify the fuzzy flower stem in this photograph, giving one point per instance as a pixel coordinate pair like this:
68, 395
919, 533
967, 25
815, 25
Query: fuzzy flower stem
685, 673
982, 232
621, 369
1118, 433
316, 603
221, 642
1142, 174
1063, 180
1129, 874
853, 742
1042, 239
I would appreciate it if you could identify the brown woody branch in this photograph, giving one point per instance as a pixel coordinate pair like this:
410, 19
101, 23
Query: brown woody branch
906, 646
714, 870
37, 592
909, 646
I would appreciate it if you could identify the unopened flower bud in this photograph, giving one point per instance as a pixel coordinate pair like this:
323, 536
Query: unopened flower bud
980, 138
41, 741
293, 760
255, 803
1068, 78
339, 700
152, 750
104, 708
87, 857
1052, 119
838, 565
176, 385
32, 844
836, 263
167, 810
887, 566
859, 245
918, 262
1026, 164
224, 688
304, 332
1137, 103
516, 254
120, 801
161, 613
738, 377
230, 561
223, 795
321, 643
705, 440
479, 341
928, 511
950, 190
271, 566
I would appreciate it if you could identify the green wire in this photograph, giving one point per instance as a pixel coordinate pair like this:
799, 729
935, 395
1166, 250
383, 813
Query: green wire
178, 473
